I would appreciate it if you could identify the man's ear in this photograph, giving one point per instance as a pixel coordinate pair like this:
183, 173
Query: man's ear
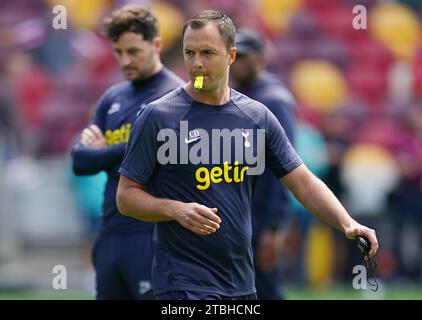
232, 55
158, 43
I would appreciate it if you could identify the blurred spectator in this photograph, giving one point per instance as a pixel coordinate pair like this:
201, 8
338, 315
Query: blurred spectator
32, 86
9, 129
407, 197
271, 206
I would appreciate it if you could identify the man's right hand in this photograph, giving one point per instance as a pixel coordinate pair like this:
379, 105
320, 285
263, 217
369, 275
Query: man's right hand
93, 137
196, 217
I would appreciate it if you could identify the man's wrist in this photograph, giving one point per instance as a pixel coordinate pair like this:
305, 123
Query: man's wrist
168, 208
347, 225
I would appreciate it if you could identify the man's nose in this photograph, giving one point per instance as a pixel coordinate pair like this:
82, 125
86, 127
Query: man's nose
197, 63
125, 59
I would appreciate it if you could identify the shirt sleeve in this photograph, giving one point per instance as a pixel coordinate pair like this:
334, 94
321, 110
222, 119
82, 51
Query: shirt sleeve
100, 115
140, 160
280, 156
87, 161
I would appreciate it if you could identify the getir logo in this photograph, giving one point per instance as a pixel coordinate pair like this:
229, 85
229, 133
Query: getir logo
228, 174
118, 135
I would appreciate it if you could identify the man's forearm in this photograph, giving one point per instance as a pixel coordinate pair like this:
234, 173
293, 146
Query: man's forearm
315, 196
88, 161
136, 203
133, 201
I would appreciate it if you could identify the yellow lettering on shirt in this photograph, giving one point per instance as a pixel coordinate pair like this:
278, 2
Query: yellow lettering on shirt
228, 174
118, 135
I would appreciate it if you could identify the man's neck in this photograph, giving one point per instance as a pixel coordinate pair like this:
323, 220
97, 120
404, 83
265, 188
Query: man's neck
216, 97
156, 69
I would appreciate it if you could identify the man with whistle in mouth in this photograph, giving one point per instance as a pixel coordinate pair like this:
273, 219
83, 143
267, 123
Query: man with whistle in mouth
203, 235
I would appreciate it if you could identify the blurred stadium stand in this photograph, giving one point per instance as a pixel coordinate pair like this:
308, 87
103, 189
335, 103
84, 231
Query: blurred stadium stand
360, 91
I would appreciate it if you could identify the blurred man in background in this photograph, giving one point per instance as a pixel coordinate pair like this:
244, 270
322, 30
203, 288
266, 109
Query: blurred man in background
271, 204
122, 254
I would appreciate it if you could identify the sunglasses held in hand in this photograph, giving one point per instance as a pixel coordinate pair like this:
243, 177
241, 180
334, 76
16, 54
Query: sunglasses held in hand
370, 261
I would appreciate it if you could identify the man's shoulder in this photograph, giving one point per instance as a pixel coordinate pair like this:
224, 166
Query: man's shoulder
110, 94
168, 106
273, 89
167, 82
246, 103
117, 88
172, 78
170, 98
167, 85
252, 108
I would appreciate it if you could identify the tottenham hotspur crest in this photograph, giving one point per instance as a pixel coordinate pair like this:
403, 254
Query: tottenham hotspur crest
245, 135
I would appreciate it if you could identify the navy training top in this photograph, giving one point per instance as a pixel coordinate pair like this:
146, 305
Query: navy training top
172, 151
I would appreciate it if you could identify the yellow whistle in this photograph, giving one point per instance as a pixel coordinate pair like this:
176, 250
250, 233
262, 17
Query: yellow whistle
199, 82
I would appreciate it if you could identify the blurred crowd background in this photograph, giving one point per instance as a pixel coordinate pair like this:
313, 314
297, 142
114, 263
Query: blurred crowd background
359, 104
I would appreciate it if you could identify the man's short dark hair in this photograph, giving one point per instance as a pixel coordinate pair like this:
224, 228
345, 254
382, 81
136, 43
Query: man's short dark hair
131, 18
224, 24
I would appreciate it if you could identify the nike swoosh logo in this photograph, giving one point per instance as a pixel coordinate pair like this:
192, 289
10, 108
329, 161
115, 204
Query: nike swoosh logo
111, 111
187, 141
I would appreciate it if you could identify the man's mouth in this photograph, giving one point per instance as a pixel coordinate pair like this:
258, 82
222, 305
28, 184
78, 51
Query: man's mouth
200, 74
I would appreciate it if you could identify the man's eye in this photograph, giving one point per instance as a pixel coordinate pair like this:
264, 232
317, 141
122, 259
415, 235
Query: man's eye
133, 51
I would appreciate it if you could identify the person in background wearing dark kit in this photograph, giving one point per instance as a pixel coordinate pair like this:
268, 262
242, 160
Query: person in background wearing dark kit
122, 254
271, 205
